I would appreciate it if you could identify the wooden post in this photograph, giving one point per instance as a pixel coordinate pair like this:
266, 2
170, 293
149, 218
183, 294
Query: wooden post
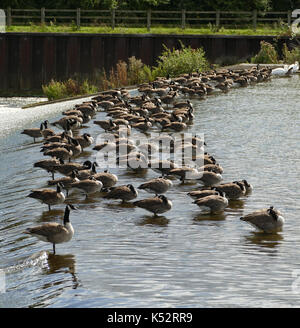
9, 20
289, 19
43, 16
183, 19
113, 18
148, 19
78, 18
254, 19
218, 18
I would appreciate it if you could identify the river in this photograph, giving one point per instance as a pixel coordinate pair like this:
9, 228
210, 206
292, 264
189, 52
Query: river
121, 257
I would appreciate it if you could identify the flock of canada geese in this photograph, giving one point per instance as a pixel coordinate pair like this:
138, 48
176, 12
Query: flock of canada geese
158, 107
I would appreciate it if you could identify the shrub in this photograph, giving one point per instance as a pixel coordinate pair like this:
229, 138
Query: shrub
266, 55
290, 57
175, 62
54, 90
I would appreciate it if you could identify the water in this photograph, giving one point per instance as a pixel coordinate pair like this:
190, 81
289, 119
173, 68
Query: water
121, 257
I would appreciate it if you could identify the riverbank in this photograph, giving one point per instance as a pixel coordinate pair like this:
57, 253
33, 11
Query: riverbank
260, 30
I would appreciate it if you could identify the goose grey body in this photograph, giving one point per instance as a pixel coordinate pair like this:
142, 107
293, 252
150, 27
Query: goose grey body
157, 186
210, 178
213, 203
156, 205
197, 194
108, 179
53, 232
49, 165
267, 220
233, 190
89, 186
125, 193
48, 196
34, 132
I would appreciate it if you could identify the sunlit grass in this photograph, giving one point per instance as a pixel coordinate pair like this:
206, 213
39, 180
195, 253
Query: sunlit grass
51, 28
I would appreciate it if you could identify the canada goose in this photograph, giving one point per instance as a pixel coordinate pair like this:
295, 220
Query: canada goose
106, 125
186, 173
60, 152
125, 193
88, 172
67, 168
48, 196
169, 98
157, 186
50, 165
233, 190
34, 132
74, 146
74, 120
108, 179
58, 138
210, 178
85, 140
162, 166
65, 182
105, 104
266, 220
54, 232
216, 168
247, 185
46, 132
197, 194
175, 126
89, 186
156, 205
213, 203
87, 109
143, 126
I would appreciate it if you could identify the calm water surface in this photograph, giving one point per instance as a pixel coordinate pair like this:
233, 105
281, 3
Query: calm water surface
122, 257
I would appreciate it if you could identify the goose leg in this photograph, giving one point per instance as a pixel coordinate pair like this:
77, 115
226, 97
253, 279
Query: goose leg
49, 207
53, 248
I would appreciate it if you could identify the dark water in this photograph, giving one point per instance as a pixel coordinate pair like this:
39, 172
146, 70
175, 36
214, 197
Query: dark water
122, 257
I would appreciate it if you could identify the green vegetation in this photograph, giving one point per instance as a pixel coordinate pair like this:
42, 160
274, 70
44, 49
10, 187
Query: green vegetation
209, 29
266, 55
269, 55
171, 63
204, 5
175, 62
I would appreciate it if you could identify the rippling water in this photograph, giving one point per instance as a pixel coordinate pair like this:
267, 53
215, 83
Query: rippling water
122, 257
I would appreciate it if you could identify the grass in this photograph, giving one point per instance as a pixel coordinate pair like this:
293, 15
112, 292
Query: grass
274, 29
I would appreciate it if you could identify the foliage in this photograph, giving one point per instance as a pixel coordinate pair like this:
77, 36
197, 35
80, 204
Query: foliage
290, 56
266, 55
175, 62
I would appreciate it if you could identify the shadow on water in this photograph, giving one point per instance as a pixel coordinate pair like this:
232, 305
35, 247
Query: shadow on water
209, 217
159, 220
265, 240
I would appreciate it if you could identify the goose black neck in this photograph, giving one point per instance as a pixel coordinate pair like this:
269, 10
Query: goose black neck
67, 215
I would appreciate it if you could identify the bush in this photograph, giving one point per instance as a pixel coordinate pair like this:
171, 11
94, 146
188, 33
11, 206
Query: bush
266, 55
55, 90
290, 57
175, 62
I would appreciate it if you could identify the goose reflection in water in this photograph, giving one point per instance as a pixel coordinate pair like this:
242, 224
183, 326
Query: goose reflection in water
65, 264
264, 240
158, 220
209, 217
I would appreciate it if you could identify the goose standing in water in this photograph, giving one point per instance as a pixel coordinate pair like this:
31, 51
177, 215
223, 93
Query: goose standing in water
34, 132
156, 205
48, 196
157, 186
266, 220
54, 232
125, 193
213, 203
